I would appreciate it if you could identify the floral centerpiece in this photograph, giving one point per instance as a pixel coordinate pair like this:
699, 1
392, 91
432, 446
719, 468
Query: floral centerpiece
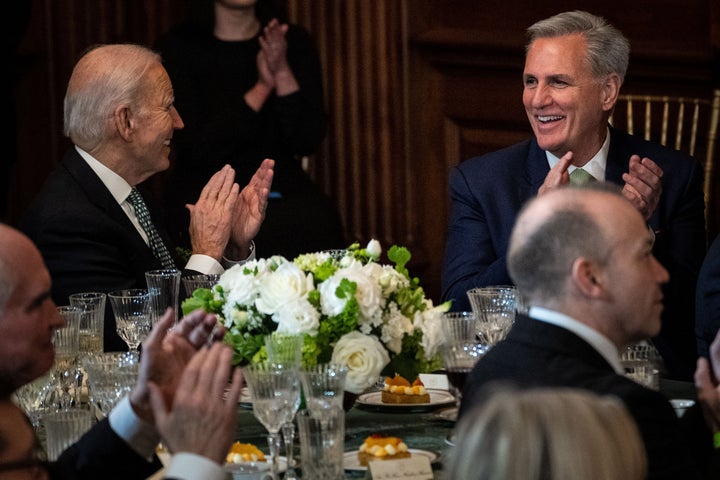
351, 310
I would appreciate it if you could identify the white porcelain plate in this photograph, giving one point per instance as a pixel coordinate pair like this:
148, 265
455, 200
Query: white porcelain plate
351, 462
438, 399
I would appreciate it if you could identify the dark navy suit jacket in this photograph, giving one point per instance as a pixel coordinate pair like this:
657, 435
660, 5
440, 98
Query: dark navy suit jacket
539, 354
86, 239
488, 191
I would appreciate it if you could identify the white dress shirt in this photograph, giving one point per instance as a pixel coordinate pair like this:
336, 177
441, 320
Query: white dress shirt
597, 164
120, 189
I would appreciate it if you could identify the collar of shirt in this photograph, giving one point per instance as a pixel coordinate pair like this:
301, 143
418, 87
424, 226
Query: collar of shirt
596, 165
117, 185
598, 341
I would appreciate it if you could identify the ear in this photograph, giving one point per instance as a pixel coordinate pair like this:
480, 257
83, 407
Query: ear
587, 278
123, 119
610, 91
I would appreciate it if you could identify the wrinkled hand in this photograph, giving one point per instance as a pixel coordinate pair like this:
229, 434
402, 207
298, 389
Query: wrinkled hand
708, 391
250, 210
274, 45
199, 420
643, 185
165, 354
558, 175
211, 217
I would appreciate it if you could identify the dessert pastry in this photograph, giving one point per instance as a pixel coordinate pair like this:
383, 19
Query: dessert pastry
379, 447
244, 452
399, 390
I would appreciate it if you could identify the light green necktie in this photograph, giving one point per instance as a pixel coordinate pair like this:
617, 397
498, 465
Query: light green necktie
580, 177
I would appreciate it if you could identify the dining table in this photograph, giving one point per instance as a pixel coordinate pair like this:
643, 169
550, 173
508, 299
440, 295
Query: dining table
425, 429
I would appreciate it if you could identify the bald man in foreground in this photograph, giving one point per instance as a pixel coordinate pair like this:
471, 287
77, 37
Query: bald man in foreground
582, 258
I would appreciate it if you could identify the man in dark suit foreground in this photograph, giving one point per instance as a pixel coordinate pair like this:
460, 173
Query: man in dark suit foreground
120, 116
173, 374
582, 258
574, 68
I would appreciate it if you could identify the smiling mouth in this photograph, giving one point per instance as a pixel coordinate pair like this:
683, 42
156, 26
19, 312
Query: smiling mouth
548, 118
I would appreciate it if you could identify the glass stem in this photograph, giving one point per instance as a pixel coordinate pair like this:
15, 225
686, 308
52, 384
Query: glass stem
288, 431
274, 444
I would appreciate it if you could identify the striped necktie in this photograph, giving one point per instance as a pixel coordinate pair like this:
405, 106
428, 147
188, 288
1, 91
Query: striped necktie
580, 177
143, 215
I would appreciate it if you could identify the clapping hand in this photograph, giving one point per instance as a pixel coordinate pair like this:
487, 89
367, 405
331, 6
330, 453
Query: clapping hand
250, 209
200, 419
166, 353
643, 185
708, 390
558, 175
211, 216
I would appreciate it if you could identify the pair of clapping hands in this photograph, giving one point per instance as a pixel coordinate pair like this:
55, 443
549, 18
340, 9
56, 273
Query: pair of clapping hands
181, 385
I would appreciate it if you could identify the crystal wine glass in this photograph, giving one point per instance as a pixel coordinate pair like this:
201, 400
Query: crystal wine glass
286, 349
275, 390
133, 315
459, 358
495, 308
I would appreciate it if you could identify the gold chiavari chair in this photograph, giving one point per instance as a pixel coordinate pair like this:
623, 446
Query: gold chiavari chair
688, 124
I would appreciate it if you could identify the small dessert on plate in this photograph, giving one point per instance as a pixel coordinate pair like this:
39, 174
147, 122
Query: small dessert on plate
379, 447
399, 390
244, 452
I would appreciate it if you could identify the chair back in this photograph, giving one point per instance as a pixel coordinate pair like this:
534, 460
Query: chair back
688, 124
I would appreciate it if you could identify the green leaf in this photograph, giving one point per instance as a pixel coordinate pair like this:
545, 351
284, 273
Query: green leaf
400, 256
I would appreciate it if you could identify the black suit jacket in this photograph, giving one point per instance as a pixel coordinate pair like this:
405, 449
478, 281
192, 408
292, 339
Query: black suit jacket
487, 193
101, 453
539, 354
86, 239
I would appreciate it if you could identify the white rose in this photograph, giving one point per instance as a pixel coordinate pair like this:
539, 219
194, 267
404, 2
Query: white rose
239, 284
282, 286
395, 327
330, 303
298, 316
365, 358
368, 294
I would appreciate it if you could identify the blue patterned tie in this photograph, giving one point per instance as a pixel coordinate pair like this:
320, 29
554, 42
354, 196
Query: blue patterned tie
143, 215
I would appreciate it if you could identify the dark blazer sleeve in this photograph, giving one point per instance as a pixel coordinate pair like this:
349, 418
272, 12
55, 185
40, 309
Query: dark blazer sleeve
101, 453
486, 194
707, 306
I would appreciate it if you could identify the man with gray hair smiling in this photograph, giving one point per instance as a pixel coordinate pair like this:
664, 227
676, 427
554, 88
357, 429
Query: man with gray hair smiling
582, 259
575, 65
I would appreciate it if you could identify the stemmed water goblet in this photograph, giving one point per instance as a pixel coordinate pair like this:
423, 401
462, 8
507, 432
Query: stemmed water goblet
495, 308
459, 358
133, 315
275, 390
286, 349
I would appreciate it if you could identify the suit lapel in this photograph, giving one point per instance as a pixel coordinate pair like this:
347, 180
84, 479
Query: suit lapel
98, 194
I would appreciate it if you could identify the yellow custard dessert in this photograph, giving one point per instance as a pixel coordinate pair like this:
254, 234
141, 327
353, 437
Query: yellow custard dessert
399, 390
378, 447
244, 452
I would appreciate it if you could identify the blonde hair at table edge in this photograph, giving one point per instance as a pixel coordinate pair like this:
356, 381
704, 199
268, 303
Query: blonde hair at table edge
547, 434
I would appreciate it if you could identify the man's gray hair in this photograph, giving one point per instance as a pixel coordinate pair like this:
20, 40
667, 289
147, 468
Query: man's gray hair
541, 262
94, 92
608, 49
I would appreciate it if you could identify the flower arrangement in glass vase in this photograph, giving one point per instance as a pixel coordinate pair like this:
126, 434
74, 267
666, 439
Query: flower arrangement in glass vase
351, 310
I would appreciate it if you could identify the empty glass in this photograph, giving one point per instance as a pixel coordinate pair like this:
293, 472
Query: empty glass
164, 287
275, 391
133, 315
110, 376
640, 362
457, 326
495, 308
193, 282
322, 440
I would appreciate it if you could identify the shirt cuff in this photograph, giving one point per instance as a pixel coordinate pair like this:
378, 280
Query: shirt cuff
190, 466
227, 263
141, 436
204, 264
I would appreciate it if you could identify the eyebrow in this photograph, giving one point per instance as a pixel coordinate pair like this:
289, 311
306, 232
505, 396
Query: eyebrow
38, 300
